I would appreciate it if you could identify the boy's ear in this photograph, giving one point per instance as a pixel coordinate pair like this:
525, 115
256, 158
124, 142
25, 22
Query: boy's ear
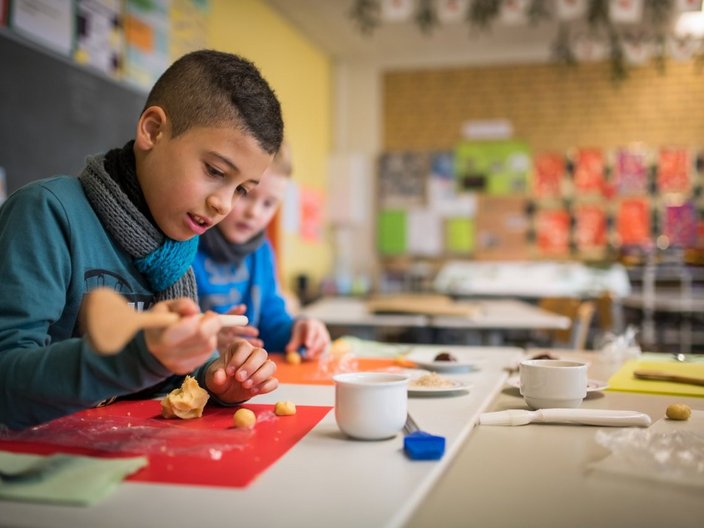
150, 127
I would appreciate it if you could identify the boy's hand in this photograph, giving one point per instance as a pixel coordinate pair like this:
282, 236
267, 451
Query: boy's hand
310, 333
183, 346
229, 335
241, 372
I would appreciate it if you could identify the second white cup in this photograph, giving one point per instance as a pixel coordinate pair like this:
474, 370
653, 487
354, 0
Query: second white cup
548, 383
371, 405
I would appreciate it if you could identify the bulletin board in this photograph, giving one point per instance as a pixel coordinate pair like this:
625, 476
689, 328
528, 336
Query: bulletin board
55, 113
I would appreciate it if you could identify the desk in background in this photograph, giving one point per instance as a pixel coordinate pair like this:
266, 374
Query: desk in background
491, 319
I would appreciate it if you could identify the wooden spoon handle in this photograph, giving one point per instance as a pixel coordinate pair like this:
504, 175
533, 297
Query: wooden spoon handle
156, 319
666, 376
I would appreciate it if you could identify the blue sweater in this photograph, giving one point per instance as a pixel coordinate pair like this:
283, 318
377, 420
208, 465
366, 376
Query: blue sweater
222, 286
54, 250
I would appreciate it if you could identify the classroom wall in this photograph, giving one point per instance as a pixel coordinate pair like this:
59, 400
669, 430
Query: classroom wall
551, 107
301, 75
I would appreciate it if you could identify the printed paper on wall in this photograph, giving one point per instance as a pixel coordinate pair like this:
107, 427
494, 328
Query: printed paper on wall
633, 222
552, 227
590, 227
589, 171
549, 171
680, 224
674, 165
631, 172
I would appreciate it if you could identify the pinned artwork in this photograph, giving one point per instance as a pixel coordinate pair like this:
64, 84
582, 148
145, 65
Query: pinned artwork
549, 171
590, 227
631, 172
553, 231
633, 222
589, 171
674, 166
680, 225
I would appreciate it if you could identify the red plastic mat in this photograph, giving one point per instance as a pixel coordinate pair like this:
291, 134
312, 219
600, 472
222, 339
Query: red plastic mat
206, 451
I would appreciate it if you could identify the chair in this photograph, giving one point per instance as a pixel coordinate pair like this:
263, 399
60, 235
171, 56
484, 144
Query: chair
581, 313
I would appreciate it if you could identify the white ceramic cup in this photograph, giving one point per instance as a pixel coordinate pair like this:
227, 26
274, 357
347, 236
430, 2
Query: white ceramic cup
549, 383
371, 405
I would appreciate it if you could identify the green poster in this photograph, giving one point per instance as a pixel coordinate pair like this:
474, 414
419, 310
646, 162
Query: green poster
391, 232
459, 235
493, 167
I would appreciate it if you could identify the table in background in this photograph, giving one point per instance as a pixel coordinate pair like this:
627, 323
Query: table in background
492, 318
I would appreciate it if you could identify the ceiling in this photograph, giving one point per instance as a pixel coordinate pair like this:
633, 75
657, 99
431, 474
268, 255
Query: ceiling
402, 44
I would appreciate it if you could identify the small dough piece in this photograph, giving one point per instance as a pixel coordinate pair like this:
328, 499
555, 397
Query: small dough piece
186, 402
244, 419
678, 411
284, 408
293, 357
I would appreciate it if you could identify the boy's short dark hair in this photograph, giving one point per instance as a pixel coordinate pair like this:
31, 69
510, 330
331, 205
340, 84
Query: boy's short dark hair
211, 88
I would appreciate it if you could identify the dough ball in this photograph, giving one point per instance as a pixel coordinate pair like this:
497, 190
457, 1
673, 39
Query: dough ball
244, 419
284, 408
186, 402
678, 411
293, 357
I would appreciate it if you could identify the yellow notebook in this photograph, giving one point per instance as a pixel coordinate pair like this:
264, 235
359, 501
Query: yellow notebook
623, 380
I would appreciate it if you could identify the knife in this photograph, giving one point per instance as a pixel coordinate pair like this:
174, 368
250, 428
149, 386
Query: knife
604, 417
659, 375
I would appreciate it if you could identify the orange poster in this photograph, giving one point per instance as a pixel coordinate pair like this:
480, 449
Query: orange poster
633, 222
311, 215
549, 170
590, 227
673, 170
553, 231
589, 171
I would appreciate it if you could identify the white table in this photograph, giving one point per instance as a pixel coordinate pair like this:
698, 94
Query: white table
324, 480
492, 318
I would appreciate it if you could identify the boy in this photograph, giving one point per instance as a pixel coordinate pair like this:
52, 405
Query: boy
131, 221
235, 272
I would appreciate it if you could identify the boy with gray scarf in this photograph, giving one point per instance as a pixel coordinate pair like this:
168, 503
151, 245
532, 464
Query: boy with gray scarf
131, 221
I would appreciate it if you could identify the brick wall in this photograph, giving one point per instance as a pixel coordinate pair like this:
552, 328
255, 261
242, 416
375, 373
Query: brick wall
551, 107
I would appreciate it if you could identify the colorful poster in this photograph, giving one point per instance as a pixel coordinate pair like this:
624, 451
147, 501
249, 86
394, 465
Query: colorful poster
633, 222
147, 34
674, 166
549, 171
589, 171
402, 179
496, 167
631, 172
49, 22
189, 26
552, 228
311, 214
590, 227
681, 224
99, 35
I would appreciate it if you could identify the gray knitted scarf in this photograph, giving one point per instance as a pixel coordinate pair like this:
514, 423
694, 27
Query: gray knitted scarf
165, 263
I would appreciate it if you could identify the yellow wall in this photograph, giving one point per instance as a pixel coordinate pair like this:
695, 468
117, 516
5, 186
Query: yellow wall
301, 75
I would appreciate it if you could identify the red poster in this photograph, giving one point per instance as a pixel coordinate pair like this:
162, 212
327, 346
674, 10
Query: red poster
631, 172
311, 215
681, 224
674, 168
549, 170
589, 171
633, 222
590, 227
553, 231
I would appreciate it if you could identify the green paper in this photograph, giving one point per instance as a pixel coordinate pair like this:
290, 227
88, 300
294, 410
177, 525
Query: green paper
459, 235
70, 479
391, 232
503, 166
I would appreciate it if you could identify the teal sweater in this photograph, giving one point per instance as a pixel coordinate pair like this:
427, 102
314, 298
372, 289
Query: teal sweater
54, 250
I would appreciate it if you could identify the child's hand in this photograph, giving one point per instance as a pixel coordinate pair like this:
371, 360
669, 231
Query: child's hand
310, 333
228, 335
187, 344
241, 372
